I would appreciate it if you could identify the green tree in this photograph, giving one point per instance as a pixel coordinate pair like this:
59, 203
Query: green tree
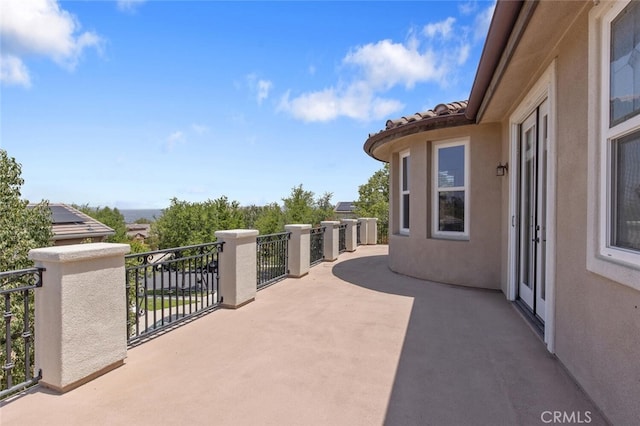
185, 223
373, 201
22, 228
298, 206
323, 208
301, 207
270, 220
110, 217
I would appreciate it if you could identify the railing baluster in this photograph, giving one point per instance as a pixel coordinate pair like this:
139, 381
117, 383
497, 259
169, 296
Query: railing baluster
271, 258
178, 276
17, 366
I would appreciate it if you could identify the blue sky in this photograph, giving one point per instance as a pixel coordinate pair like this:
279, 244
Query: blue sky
130, 103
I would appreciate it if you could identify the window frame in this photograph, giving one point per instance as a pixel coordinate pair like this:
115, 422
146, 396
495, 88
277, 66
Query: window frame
600, 260
402, 191
607, 145
436, 189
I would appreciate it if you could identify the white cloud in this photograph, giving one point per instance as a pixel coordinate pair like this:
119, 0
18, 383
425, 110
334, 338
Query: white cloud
264, 86
174, 139
199, 129
129, 5
463, 53
260, 87
356, 102
42, 28
482, 22
386, 64
468, 8
13, 71
435, 53
442, 28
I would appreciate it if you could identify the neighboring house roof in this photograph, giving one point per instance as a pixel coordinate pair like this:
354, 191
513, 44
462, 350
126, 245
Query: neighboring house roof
135, 229
345, 207
69, 223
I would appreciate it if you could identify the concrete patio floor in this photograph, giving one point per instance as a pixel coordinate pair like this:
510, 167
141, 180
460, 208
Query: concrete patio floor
349, 344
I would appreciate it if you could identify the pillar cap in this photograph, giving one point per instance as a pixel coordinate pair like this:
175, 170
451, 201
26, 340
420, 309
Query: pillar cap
235, 234
294, 226
78, 252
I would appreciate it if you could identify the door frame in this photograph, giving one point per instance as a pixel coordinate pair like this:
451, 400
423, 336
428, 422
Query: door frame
544, 88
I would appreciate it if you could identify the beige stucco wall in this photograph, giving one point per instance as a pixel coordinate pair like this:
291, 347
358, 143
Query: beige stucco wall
79, 322
597, 321
474, 262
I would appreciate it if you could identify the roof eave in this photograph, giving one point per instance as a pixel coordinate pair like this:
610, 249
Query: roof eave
386, 136
504, 19
57, 237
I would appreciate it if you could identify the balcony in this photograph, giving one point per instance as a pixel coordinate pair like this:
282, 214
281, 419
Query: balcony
349, 343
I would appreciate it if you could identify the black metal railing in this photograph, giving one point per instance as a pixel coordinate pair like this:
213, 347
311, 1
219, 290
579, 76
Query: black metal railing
168, 286
17, 288
342, 238
359, 242
316, 244
272, 258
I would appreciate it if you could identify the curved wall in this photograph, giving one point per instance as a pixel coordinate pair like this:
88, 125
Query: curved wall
474, 262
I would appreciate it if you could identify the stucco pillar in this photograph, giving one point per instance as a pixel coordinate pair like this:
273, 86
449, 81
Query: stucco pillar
80, 313
299, 249
372, 230
364, 230
237, 266
330, 239
351, 234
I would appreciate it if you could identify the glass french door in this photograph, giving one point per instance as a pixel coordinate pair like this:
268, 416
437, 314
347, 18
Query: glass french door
532, 206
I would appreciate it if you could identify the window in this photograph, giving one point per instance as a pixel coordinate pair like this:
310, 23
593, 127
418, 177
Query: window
620, 135
404, 192
451, 190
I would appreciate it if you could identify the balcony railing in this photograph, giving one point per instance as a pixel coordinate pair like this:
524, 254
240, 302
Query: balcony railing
316, 245
272, 258
342, 238
168, 286
17, 336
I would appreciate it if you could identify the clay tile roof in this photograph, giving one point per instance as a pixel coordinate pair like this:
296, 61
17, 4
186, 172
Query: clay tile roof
442, 115
452, 108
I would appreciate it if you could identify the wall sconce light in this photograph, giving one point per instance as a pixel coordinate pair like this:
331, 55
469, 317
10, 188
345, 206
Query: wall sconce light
502, 169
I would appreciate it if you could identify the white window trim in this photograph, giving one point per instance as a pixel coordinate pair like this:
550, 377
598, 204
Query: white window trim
452, 235
403, 192
616, 264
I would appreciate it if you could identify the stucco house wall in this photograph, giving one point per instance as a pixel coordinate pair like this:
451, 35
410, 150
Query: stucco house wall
595, 320
474, 262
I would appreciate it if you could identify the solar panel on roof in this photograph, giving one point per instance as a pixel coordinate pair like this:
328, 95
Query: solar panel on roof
60, 214
345, 206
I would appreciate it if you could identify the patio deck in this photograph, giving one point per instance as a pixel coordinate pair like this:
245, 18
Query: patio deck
349, 344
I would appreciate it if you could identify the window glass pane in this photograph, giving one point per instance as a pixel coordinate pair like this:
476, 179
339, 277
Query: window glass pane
451, 211
451, 166
625, 65
405, 173
626, 187
405, 211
